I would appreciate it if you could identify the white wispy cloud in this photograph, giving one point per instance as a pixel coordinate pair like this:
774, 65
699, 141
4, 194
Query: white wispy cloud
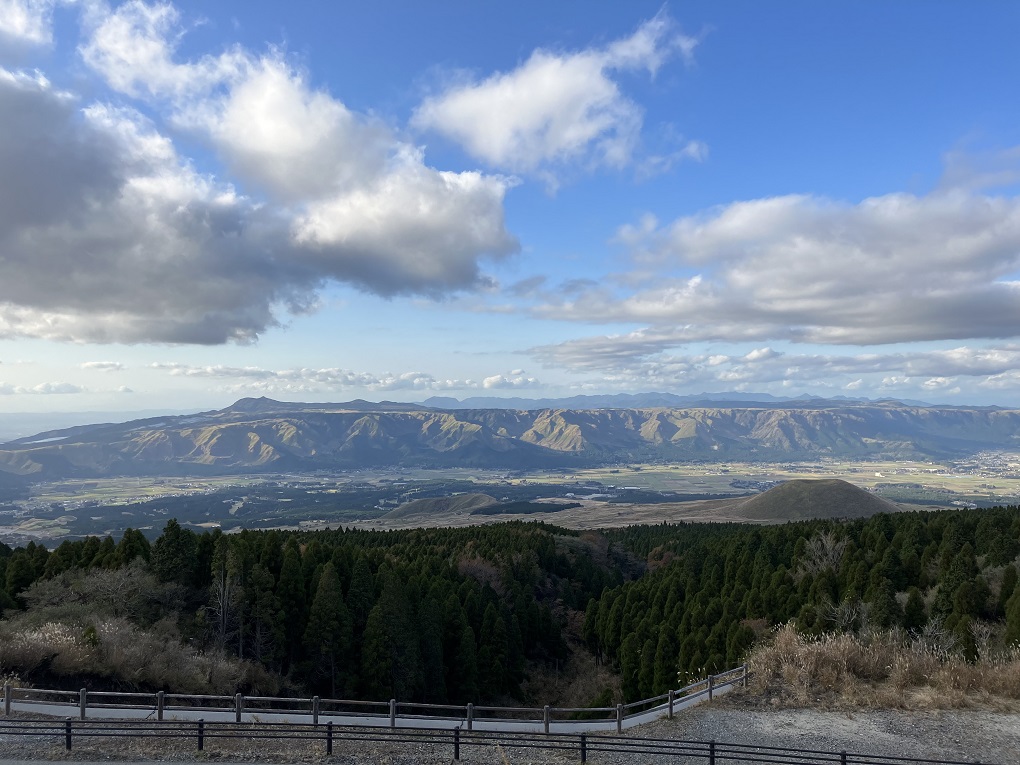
629, 360
309, 380
42, 389
557, 107
103, 366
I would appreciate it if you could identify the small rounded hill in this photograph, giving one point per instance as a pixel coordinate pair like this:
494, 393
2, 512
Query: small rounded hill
801, 499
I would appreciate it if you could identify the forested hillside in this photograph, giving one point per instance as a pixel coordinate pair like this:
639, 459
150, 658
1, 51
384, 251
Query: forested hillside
432, 615
457, 615
714, 588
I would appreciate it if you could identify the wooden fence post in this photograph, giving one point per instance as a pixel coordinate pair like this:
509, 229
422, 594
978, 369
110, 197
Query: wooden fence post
711, 753
470, 715
82, 702
329, 737
7, 698
238, 706
584, 748
711, 686
743, 676
201, 734
67, 734
160, 701
315, 710
545, 718
619, 718
393, 713
456, 743
671, 704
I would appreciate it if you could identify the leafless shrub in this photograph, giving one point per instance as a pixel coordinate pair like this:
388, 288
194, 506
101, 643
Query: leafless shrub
846, 616
481, 570
130, 656
982, 634
130, 591
937, 639
822, 552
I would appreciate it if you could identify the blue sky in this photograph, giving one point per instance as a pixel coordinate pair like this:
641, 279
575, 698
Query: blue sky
394, 200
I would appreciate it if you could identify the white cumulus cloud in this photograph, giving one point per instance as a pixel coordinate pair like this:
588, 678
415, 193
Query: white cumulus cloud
26, 22
151, 249
894, 268
103, 366
556, 107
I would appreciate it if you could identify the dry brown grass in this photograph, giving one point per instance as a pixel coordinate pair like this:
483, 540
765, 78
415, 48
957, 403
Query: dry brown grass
880, 670
126, 657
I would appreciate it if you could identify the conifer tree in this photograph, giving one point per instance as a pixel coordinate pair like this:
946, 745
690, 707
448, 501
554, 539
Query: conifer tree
914, 615
391, 650
173, 556
465, 668
267, 618
1012, 636
328, 635
290, 590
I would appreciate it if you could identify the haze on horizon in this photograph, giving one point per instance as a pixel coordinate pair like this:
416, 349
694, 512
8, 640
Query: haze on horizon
322, 203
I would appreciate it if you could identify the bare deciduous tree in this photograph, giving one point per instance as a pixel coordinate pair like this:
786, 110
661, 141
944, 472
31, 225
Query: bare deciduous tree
822, 552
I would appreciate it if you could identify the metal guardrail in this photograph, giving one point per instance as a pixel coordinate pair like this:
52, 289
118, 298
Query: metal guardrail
162, 705
328, 736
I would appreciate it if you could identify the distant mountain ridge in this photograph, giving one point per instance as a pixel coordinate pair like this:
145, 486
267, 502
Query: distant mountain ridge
647, 400
260, 434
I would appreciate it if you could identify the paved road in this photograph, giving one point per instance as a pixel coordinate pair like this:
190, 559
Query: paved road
366, 721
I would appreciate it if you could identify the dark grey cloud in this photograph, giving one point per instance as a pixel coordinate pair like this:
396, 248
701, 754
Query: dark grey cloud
108, 235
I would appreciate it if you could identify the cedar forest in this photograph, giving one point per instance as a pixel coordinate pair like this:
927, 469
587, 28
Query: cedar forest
459, 615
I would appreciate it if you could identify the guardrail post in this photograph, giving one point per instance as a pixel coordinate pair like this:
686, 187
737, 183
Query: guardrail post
238, 706
470, 715
315, 710
545, 717
393, 713
711, 686
160, 701
456, 743
619, 718
67, 734
743, 676
201, 734
329, 737
711, 753
7, 698
670, 704
82, 701
584, 748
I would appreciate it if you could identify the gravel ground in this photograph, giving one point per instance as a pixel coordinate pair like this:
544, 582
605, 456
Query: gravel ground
965, 735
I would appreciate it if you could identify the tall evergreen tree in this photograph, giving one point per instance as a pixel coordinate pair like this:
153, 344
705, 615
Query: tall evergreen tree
173, 556
290, 590
328, 635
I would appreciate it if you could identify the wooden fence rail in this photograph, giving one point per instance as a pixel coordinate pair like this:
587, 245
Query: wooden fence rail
371, 713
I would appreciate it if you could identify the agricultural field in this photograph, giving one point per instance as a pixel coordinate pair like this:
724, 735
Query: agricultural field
609, 495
